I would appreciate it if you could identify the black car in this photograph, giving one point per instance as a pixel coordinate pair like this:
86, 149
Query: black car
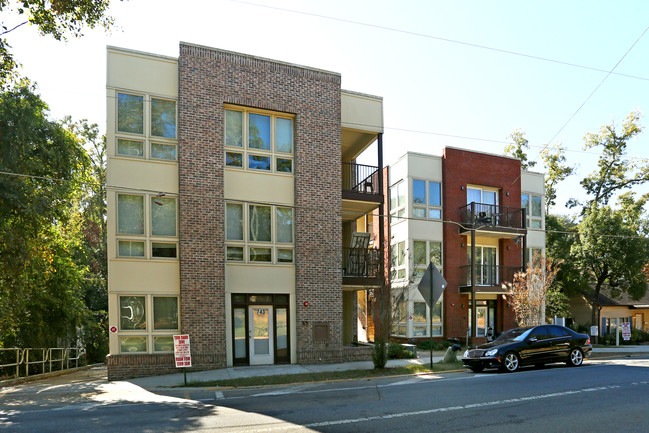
535, 345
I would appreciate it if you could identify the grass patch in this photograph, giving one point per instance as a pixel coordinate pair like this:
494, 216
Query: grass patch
283, 379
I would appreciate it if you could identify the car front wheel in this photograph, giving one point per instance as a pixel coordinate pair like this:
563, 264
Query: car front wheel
576, 358
511, 362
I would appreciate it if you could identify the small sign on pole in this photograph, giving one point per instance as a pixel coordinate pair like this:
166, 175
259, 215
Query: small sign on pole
626, 331
594, 331
182, 353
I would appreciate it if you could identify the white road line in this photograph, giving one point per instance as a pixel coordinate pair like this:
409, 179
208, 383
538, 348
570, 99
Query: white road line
218, 395
285, 427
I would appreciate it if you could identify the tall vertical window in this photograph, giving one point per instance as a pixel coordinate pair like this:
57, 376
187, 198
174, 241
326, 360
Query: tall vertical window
426, 199
256, 233
130, 113
426, 252
398, 201
137, 334
260, 141
533, 205
163, 118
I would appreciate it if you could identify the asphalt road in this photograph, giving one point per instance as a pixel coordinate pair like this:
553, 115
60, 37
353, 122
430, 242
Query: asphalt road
601, 396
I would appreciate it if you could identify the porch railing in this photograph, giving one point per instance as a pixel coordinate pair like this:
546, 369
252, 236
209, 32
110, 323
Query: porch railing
360, 178
17, 362
361, 262
491, 215
488, 275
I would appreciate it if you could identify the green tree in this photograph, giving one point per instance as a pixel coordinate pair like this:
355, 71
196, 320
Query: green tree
518, 148
57, 18
41, 297
610, 251
556, 171
559, 238
614, 172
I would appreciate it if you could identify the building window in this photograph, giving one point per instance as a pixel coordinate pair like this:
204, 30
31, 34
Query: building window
400, 322
141, 237
258, 140
533, 205
426, 199
397, 202
534, 256
425, 252
147, 323
259, 233
155, 139
421, 319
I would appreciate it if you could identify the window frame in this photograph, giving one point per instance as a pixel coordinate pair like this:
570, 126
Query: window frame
528, 211
246, 152
147, 238
147, 139
426, 205
398, 213
247, 245
148, 332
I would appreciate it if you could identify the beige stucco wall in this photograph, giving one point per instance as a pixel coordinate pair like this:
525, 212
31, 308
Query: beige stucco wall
259, 187
147, 75
361, 112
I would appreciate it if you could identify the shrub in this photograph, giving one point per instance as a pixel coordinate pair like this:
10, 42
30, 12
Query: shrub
397, 351
380, 355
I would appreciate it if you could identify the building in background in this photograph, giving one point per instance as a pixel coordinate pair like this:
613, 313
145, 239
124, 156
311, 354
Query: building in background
237, 213
472, 214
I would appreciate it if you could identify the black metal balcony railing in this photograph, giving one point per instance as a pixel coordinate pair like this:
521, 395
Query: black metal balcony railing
488, 275
361, 262
491, 215
360, 178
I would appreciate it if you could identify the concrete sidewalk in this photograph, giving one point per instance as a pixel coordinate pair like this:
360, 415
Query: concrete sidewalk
172, 380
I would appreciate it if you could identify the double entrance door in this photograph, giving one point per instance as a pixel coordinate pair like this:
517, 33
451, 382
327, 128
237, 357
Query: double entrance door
260, 330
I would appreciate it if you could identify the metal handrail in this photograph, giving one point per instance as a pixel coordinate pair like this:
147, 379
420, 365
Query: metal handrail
48, 356
493, 215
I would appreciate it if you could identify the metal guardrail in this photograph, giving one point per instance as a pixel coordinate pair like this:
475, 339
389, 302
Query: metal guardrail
52, 359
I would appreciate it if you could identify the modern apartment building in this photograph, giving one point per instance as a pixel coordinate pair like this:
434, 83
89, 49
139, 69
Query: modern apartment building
479, 218
236, 210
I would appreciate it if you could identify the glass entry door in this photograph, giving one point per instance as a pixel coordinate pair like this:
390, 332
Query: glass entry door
260, 333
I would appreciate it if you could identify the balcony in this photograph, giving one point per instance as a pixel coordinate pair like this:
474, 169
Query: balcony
361, 266
501, 220
488, 278
361, 190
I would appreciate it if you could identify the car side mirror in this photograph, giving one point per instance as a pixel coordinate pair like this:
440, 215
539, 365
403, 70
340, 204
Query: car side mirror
533, 339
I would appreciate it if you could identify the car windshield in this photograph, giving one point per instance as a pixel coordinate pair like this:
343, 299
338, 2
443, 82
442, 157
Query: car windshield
517, 334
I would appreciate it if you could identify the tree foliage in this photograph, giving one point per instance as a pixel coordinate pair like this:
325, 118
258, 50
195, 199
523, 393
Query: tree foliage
518, 148
57, 18
556, 171
52, 260
610, 251
615, 172
528, 297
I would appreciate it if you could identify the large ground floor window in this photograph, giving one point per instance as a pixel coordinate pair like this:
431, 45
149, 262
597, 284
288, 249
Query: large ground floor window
260, 329
411, 316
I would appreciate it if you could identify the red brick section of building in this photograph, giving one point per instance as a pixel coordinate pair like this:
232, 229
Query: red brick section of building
208, 79
459, 168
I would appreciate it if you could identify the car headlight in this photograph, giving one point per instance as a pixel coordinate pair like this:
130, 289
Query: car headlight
466, 353
491, 352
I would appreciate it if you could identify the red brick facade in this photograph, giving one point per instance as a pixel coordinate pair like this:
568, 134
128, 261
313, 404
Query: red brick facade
459, 168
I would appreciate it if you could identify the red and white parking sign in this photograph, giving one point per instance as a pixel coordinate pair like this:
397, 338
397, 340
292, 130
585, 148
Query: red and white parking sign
182, 352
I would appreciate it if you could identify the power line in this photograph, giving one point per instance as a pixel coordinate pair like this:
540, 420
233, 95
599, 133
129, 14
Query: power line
438, 38
313, 208
595, 89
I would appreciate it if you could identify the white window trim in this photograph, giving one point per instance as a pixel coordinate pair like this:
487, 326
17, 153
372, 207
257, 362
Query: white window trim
426, 205
528, 211
246, 151
399, 213
246, 243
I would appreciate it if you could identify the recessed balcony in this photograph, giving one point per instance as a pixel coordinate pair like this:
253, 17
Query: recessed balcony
361, 266
361, 190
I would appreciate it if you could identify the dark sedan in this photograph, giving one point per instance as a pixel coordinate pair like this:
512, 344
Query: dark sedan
535, 345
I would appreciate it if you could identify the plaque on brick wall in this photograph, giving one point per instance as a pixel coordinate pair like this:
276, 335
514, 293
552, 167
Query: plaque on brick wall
321, 332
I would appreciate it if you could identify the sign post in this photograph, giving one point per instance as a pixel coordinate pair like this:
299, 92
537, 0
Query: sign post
431, 287
182, 353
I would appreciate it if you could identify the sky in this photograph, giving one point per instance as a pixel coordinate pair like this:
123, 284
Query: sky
428, 59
